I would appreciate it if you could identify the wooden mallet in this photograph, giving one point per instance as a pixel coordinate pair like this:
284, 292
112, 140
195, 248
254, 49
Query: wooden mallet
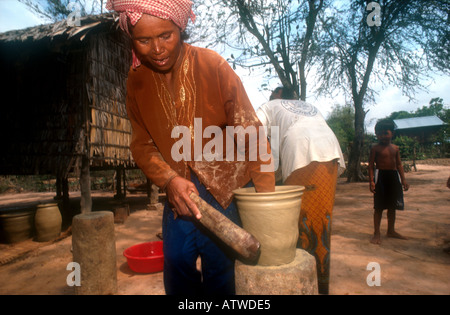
242, 242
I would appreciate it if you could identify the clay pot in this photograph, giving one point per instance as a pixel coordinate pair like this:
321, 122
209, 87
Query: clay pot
273, 219
16, 226
48, 222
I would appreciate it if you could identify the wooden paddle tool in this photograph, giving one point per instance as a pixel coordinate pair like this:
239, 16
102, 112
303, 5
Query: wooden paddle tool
245, 244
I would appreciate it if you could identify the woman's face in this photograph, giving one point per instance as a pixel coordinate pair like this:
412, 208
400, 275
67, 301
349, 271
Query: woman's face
157, 43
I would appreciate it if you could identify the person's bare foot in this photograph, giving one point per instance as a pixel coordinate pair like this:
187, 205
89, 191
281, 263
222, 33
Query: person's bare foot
396, 235
376, 239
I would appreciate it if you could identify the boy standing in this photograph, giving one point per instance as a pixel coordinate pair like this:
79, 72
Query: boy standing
385, 182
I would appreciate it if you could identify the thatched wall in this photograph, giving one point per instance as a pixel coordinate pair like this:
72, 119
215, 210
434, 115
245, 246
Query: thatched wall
64, 97
110, 129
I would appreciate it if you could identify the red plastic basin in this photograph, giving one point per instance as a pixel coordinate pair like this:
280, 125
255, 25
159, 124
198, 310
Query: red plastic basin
145, 257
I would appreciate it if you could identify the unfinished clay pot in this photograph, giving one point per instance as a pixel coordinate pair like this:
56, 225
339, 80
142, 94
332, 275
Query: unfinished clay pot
47, 222
273, 219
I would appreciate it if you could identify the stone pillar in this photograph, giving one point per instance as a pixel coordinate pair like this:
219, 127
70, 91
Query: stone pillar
296, 278
94, 248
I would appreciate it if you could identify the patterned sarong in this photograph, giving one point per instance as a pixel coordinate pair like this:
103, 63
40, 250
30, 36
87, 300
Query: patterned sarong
315, 216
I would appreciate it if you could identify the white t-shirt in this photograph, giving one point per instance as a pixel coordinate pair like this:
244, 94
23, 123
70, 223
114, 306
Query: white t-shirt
303, 135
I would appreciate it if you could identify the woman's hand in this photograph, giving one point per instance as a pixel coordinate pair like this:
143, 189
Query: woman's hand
178, 191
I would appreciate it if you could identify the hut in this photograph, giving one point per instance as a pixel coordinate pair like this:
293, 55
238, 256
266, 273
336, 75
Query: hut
63, 100
420, 128
424, 130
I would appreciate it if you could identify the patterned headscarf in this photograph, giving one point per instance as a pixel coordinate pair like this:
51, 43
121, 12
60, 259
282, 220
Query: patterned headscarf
179, 11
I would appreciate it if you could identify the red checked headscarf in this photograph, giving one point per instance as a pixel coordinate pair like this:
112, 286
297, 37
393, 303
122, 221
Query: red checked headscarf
179, 11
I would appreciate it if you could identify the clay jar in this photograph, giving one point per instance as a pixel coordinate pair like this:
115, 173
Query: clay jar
48, 222
16, 226
273, 219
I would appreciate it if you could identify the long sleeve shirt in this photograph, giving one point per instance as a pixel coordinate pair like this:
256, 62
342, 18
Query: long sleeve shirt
168, 131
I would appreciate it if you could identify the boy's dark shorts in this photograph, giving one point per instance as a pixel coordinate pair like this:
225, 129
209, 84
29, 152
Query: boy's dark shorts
388, 190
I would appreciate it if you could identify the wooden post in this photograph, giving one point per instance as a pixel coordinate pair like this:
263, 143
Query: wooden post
65, 190
149, 189
120, 182
62, 188
58, 188
124, 182
85, 186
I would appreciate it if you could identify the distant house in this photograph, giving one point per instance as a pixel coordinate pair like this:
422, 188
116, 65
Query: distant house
420, 128
63, 98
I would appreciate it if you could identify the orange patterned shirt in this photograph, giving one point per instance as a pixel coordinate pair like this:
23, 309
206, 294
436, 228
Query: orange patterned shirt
208, 94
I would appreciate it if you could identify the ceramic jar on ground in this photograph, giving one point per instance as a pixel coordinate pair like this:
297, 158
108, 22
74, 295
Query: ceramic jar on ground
16, 226
48, 222
273, 219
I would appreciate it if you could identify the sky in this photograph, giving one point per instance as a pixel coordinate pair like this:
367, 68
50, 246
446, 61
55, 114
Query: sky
15, 15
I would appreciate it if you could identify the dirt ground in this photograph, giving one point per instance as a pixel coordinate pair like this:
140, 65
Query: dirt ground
419, 265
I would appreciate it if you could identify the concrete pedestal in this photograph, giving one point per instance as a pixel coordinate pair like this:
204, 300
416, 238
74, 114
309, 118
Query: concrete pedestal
94, 248
296, 278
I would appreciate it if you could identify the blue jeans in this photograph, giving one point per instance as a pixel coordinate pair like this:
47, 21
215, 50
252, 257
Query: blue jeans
184, 240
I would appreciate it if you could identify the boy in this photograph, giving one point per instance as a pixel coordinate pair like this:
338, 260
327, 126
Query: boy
386, 184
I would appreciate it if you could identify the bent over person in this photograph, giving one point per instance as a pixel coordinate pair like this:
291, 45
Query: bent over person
310, 156
176, 89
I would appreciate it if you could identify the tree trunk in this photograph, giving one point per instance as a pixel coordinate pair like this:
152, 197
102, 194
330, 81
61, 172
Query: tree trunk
354, 167
310, 25
354, 161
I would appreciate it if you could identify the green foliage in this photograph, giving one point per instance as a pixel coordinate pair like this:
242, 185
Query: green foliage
435, 108
20, 183
100, 180
341, 121
407, 147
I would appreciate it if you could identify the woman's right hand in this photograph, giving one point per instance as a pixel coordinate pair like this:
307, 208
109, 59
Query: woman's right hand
178, 191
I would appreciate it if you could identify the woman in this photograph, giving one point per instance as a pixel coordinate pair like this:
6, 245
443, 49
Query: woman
310, 155
173, 84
